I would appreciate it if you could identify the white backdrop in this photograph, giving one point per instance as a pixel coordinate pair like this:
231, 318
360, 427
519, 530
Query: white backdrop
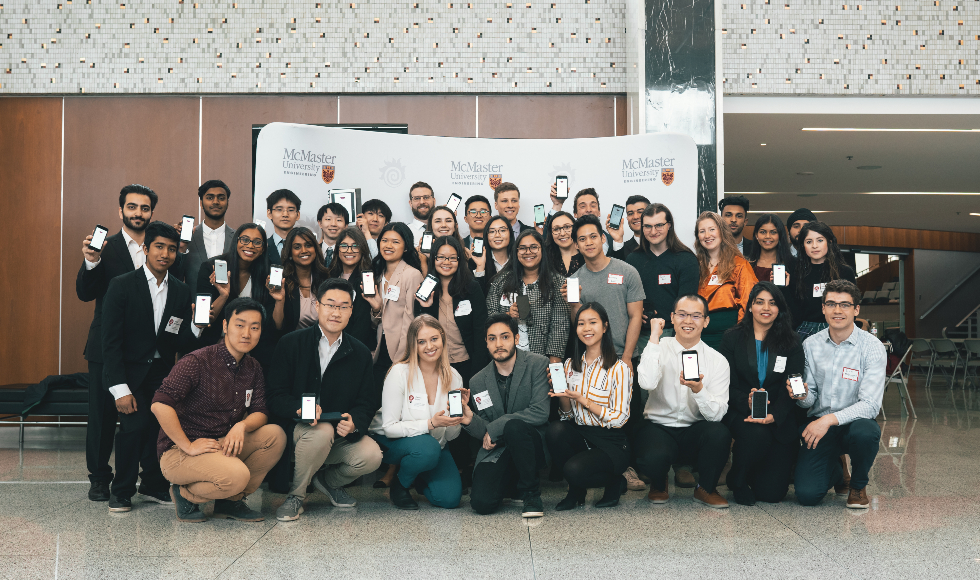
304, 158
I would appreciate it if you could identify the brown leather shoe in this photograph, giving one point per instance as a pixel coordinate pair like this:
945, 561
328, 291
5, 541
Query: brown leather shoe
713, 499
858, 499
658, 496
842, 488
684, 478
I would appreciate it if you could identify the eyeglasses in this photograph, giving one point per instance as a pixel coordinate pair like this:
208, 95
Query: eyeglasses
348, 247
696, 317
498, 231
256, 243
562, 229
529, 249
420, 197
658, 227
479, 212
284, 210
335, 307
842, 305
450, 259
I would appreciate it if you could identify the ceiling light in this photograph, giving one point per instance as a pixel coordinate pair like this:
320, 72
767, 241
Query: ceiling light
869, 167
763, 144
890, 130
975, 214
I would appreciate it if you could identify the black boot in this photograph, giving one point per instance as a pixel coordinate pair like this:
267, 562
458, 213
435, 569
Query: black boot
575, 498
401, 497
610, 498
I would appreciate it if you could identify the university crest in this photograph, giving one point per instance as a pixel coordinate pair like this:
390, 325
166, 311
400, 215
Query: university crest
327, 174
495, 180
667, 175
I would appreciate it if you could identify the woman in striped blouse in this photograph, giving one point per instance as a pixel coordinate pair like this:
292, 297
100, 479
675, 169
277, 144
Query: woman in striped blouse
589, 445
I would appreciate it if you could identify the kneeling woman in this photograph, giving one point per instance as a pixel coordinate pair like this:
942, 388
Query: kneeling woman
413, 425
762, 351
589, 445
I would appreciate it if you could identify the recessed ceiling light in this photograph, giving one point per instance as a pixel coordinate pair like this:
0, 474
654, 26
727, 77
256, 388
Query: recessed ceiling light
873, 130
975, 214
763, 144
869, 167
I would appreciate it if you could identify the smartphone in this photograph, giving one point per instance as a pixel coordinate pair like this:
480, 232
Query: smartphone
202, 309
367, 279
345, 197
558, 382
477, 246
453, 203
98, 238
186, 228
539, 214
426, 243
796, 383
616, 216
689, 360
308, 410
428, 285
220, 272
779, 274
523, 307
573, 293
275, 277
760, 404
455, 404
561, 186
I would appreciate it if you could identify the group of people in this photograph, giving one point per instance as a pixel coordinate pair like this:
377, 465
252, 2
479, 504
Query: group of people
542, 332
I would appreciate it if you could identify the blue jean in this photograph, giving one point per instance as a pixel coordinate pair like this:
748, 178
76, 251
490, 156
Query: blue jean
421, 459
819, 469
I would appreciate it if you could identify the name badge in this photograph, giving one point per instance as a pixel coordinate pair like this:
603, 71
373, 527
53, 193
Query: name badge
464, 308
248, 398
850, 374
663, 279
482, 400
574, 379
417, 401
818, 290
780, 365
714, 281
393, 293
173, 325
615, 278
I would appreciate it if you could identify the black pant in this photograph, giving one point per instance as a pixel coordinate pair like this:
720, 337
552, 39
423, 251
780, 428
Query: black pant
381, 366
101, 426
581, 466
704, 445
760, 462
136, 442
516, 470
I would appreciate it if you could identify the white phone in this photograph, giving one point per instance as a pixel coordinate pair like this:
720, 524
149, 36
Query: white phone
186, 228
367, 280
98, 238
561, 186
428, 285
796, 383
346, 199
573, 291
477, 246
779, 274
455, 404
202, 309
220, 272
558, 382
689, 360
453, 203
426, 242
275, 276
308, 409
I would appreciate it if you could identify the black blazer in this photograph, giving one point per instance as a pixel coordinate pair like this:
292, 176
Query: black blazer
129, 342
92, 285
359, 326
272, 251
739, 350
471, 326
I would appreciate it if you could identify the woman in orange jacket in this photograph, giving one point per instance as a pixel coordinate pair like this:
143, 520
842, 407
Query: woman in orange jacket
726, 277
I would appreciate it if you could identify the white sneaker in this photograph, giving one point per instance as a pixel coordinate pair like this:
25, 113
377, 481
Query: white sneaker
633, 481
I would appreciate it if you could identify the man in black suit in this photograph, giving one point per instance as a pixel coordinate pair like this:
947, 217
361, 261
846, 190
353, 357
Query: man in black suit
635, 205
282, 207
121, 253
735, 210
212, 237
507, 201
147, 318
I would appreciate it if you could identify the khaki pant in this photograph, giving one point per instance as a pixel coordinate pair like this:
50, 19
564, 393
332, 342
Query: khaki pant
213, 476
344, 461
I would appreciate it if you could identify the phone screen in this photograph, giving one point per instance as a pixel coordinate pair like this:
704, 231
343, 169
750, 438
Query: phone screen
558, 383
561, 185
202, 309
186, 228
539, 214
573, 293
428, 285
367, 279
309, 408
690, 362
523, 306
453, 203
455, 404
346, 199
796, 383
426, 243
616, 216
779, 274
221, 271
275, 276
98, 238
478, 246
760, 404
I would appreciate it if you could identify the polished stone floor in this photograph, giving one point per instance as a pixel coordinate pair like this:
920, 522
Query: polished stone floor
925, 522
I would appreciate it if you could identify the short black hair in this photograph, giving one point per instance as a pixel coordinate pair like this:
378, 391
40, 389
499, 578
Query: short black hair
335, 284
587, 191
739, 200
140, 189
843, 287
243, 304
377, 206
698, 297
502, 318
636, 199
281, 194
420, 184
160, 229
586, 220
211, 184
336, 209
477, 198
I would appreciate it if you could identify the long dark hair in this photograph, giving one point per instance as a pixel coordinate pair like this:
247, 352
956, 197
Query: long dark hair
674, 244
783, 253
834, 260
490, 270
462, 277
318, 272
781, 337
576, 348
411, 257
336, 268
259, 270
550, 247
455, 222
514, 275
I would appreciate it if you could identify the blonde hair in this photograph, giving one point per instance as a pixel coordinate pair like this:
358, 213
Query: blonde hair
412, 352
729, 250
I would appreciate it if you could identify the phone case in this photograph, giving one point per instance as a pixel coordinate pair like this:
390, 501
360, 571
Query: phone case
697, 364
367, 280
765, 404
202, 315
558, 382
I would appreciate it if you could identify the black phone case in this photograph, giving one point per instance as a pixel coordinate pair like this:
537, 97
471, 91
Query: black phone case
764, 402
475, 253
698, 359
523, 307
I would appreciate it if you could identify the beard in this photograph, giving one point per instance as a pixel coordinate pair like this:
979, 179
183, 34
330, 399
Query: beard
215, 216
128, 222
417, 212
504, 357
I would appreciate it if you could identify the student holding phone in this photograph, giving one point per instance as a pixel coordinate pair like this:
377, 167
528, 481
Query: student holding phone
772, 247
563, 255
476, 217
819, 263
762, 351
332, 219
303, 272
413, 425
442, 222
683, 416
282, 209
212, 236
496, 252
543, 326
375, 215
350, 262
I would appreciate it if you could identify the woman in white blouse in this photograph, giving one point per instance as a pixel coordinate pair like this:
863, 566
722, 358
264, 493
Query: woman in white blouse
413, 424
589, 445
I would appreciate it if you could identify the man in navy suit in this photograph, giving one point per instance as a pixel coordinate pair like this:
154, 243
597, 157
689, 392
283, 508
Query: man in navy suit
212, 237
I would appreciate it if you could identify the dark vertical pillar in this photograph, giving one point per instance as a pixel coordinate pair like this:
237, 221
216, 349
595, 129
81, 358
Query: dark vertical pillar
680, 87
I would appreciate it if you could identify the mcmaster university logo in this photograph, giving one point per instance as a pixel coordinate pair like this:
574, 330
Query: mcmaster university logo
496, 179
667, 175
327, 173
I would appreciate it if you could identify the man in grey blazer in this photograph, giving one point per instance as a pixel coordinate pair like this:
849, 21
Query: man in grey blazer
217, 239
510, 405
